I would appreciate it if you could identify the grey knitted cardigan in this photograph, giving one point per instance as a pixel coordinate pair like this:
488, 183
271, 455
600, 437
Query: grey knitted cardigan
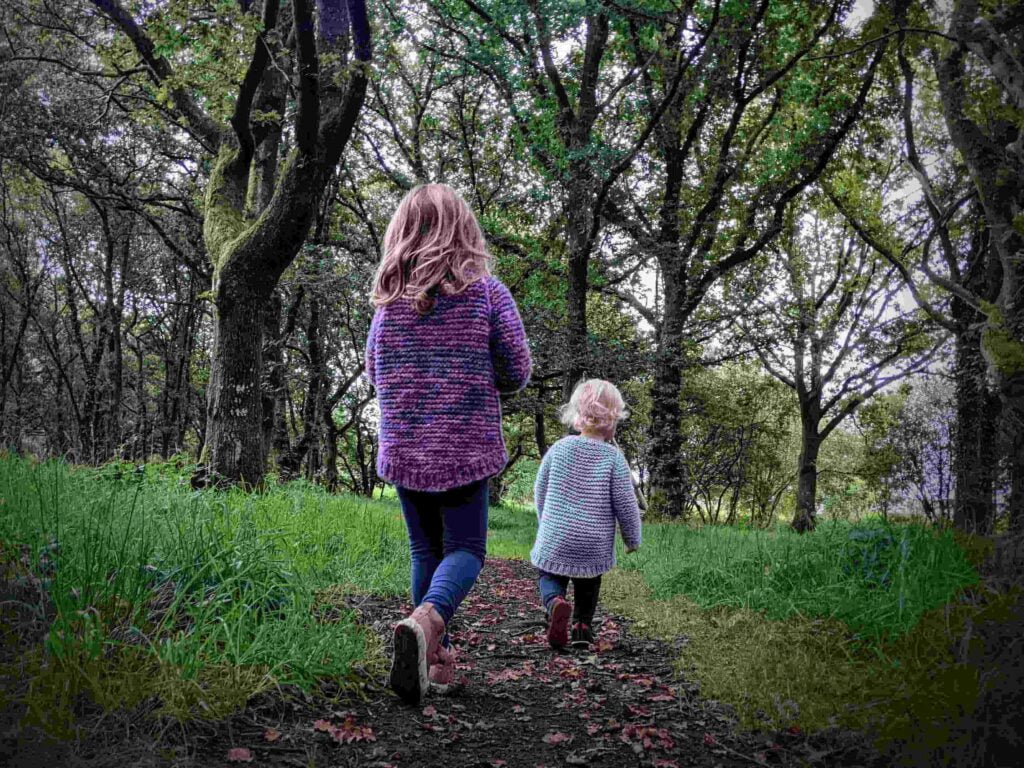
583, 487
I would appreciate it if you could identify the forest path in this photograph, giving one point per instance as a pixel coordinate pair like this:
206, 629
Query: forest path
519, 703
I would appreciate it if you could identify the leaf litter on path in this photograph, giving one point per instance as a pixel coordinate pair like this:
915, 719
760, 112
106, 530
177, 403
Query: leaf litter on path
520, 703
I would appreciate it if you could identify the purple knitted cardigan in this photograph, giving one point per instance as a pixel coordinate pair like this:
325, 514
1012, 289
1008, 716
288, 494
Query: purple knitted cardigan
438, 377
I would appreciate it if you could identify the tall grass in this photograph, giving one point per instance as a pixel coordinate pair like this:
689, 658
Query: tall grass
145, 572
876, 578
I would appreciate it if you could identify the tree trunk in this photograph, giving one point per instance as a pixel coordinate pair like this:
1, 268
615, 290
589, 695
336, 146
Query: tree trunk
668, 484
807, 480
330, 451
275, 431
234, 441
539, 433
579, 219
1012, 397
974, 458
993, 152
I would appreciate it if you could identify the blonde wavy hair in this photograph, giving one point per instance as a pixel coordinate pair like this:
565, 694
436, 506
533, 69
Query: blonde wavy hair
433, 244
596, 406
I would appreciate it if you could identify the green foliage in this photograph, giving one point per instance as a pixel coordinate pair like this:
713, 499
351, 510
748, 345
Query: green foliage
740, 432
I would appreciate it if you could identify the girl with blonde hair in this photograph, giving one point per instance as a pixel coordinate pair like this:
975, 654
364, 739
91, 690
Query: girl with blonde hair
584, 487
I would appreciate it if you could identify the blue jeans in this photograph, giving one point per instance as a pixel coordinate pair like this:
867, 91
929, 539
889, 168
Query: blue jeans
448, 540
585, 592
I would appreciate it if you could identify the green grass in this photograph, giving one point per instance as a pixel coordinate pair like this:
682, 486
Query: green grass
181, 584
878, 579
510, 531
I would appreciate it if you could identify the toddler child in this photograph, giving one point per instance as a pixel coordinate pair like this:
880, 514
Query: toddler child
583, 487
445, 340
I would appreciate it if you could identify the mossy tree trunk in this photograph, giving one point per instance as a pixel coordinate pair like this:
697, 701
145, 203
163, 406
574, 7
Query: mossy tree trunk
993, 152
251, 234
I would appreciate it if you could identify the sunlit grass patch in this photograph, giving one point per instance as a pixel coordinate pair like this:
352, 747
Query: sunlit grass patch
813, 672
511, 529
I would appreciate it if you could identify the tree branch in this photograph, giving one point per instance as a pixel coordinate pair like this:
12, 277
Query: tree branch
201, 124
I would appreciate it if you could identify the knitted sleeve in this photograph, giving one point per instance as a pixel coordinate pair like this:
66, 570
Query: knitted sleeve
627, 512
540, 485
510, 352
371, 348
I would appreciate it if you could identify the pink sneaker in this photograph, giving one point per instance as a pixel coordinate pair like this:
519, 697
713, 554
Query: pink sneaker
417, 640
558, 622
442, 673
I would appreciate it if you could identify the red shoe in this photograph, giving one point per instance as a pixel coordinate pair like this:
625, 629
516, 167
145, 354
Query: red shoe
417, 640
559, 614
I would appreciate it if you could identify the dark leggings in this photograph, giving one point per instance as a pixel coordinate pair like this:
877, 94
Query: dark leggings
585, 592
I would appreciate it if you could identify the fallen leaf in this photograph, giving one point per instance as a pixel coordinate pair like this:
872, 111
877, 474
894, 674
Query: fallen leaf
638, 711
271, 734
323, 725
518, 709
665, 764
662, 697
498, 763
239, 755
644, 736
593, 728
710, 740
350, 731
430, 711
557, 738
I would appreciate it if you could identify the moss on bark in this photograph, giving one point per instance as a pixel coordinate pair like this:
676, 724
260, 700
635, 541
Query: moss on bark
1003, 352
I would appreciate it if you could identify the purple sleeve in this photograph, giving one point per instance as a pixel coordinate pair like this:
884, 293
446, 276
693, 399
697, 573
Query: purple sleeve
510, 353
371, 348
627, 511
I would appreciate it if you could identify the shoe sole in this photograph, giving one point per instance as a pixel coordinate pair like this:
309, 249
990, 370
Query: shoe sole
558, 624
441, 689
581, 643
409, 672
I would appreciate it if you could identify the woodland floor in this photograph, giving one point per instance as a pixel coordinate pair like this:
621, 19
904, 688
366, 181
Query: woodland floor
518, 704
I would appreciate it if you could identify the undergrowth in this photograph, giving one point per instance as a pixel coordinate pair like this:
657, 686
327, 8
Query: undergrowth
852, 625
202, 598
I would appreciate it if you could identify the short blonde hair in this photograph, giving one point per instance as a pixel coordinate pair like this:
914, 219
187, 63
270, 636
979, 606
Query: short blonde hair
596, 405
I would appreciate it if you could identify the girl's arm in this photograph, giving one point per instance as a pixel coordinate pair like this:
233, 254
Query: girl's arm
510, 352
627, 512
540, 485
371, 348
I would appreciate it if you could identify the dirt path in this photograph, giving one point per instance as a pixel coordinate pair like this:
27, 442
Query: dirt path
519, 704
